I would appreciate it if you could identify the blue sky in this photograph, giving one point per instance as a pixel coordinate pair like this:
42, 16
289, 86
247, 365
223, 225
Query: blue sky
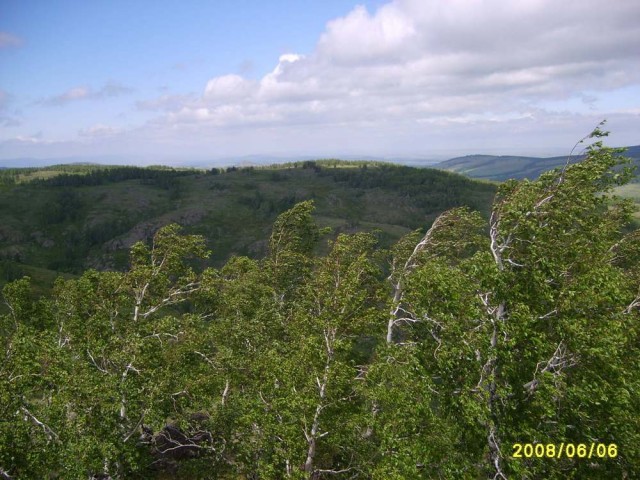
189, 82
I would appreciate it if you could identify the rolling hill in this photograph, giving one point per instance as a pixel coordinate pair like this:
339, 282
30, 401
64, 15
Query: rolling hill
70, 218
500, 168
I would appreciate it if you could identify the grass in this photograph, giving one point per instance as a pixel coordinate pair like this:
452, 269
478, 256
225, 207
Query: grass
631, 191
42, 279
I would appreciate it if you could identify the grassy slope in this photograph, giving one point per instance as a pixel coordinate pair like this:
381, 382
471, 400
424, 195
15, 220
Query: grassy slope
234, 210
501, 168
632, 191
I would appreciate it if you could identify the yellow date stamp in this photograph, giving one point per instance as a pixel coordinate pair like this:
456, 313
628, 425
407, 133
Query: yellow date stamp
564, 450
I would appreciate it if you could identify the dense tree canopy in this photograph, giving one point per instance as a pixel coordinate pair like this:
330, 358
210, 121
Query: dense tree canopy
431, 360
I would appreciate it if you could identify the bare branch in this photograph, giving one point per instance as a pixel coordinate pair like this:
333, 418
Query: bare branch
132, 368
207, 359
225, 392
333, 472
4, 475
182, 441
542, 202
495, 247
559, 361
632, 305
174, 296
496, 455
159, 335
62, 339
93, 360
548, 314
133, 430
511, 262
313, 435
409, 266
47, 430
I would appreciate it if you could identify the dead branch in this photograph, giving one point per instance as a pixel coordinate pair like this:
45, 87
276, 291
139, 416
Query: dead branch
314, 435
559, 361
51, 435
409, 266
225, 392
93, 360
4, 475
632, 305
175, 296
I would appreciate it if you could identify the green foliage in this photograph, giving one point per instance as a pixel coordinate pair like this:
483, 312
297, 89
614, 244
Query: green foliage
294, 236
309, 363
65, 206
163, 177
294, 231
545, 321
70, 218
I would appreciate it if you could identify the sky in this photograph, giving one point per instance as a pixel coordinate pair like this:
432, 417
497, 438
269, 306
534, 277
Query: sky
199, 81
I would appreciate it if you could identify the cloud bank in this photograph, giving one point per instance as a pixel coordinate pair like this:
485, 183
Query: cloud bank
437, 64
110, 89
8, 40
409, 78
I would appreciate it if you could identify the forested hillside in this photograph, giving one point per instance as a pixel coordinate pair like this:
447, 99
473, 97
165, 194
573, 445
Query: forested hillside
333, 357
504, 167
70, 218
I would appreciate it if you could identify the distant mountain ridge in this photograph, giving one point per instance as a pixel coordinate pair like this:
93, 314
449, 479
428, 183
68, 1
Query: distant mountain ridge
207, 162
504, 167
486, 167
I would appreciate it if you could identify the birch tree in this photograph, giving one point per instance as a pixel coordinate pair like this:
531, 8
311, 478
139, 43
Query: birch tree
99, 361
519, 329
532, 339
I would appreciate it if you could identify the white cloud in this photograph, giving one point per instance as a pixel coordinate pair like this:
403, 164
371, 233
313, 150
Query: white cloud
99, 131
110, 89
7, 119
9, 40
36, 138
76, 93
165, 102
360, 37
413, 60
415, 75
228, 88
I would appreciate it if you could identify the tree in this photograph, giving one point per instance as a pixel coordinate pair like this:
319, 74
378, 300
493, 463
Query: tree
293, 238
522, 329
339, 308
94, 359
532, 338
